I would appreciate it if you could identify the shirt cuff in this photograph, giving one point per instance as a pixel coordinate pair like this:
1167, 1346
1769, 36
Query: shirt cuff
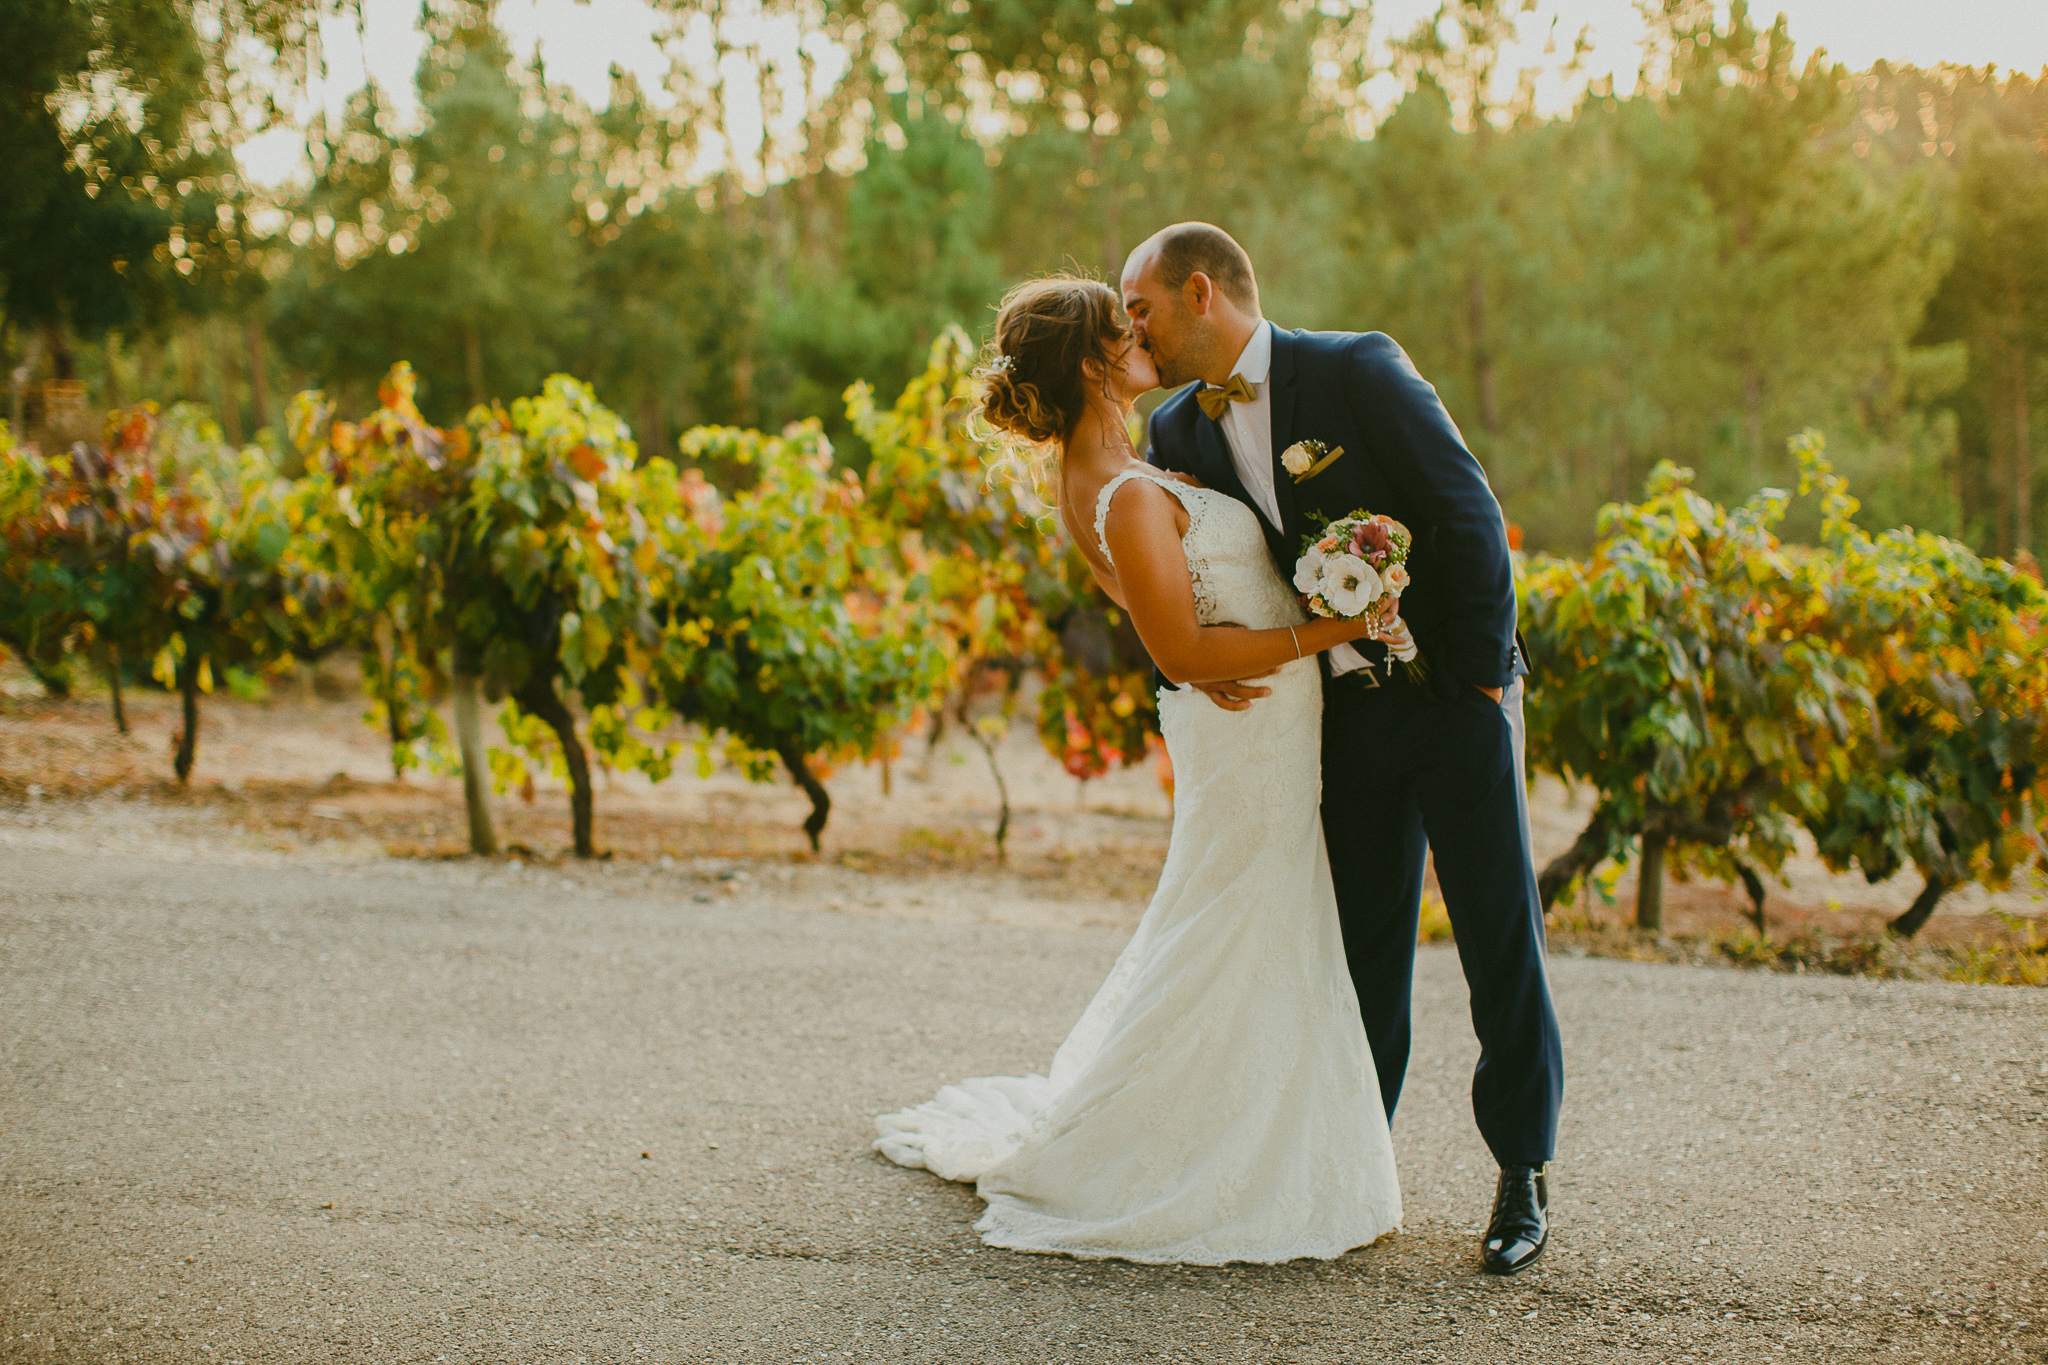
1344, 659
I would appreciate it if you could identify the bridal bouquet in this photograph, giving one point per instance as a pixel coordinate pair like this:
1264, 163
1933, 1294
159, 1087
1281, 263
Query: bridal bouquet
1353, 567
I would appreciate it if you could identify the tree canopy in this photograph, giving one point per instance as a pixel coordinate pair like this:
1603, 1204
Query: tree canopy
1753, 241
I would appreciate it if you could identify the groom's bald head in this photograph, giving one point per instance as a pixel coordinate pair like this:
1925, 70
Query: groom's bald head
1178, 252
1193, 301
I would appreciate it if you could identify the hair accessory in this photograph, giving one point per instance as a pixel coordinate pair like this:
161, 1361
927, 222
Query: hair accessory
1002, 364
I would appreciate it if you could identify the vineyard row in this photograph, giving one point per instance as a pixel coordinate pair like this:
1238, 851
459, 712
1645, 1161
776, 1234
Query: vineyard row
1719, 688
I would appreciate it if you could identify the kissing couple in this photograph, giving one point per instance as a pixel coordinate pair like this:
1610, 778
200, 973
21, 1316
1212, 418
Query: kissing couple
1226, 1096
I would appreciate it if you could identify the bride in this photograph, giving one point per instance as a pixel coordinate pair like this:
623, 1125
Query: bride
1216, 1101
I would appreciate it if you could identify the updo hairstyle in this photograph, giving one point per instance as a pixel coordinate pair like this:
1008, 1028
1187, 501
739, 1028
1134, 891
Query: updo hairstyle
1033, 387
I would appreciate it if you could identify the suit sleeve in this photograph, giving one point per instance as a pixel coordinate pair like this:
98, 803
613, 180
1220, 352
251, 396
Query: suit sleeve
1160, 447
1418, 447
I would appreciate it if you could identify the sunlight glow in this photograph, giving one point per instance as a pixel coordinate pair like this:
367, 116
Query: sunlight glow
580, 43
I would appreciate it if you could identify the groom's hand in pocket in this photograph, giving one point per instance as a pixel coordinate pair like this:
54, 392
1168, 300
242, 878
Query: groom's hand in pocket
1237, 695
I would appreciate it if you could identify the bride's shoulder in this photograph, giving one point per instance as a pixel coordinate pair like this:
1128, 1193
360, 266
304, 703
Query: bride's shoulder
1136, 488
1129, 503
1138, 497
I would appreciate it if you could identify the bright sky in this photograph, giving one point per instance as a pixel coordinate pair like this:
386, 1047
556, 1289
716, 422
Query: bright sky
580, 42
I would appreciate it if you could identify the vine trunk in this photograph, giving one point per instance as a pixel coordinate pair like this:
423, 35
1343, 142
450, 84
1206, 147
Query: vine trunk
476, 792
537, 697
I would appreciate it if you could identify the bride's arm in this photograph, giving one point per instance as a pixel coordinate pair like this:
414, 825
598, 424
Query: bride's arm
1152, 571
1111, 588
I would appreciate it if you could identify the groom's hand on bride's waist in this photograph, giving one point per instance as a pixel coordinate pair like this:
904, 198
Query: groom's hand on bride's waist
1493, 694
1234, 696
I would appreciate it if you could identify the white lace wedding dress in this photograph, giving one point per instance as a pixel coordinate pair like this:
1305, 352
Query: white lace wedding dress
1217, 1101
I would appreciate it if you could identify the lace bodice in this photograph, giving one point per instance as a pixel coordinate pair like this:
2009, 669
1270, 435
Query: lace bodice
1233, 575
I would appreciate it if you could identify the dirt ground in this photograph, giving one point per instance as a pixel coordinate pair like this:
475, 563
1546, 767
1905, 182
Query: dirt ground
303, 771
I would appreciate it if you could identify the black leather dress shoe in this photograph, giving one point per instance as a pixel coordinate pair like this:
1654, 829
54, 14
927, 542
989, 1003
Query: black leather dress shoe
1520, 1226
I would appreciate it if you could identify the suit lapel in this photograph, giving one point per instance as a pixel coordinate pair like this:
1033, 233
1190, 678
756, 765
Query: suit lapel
1217, 469
1211, 462
1283, 392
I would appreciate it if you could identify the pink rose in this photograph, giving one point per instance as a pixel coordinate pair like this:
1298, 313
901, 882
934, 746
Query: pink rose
1396, 578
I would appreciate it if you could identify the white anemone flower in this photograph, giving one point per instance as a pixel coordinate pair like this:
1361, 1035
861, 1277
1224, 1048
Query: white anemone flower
1308, 573
1350, 585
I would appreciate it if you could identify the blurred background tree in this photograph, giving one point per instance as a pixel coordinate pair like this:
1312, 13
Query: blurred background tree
123, 235
454, 246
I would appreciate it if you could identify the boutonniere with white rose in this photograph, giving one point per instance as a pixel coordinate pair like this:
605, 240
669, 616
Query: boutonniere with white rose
1356, 566
1305, 459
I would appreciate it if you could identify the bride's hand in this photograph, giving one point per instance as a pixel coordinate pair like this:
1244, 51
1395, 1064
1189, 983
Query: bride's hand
1385, 616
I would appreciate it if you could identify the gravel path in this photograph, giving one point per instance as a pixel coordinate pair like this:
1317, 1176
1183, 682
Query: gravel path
420, 1112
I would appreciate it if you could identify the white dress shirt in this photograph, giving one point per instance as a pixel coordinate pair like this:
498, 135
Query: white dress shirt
1248, 431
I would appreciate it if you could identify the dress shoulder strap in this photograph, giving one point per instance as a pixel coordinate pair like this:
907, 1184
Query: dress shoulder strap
1109, 491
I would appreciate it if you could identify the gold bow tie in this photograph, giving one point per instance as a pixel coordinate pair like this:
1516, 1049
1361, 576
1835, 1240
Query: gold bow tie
1215, 400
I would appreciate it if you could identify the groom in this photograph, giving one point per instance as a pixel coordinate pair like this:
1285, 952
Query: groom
1407, 767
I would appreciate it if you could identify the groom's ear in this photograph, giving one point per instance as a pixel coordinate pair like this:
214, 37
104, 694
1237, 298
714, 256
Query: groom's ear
1199, 293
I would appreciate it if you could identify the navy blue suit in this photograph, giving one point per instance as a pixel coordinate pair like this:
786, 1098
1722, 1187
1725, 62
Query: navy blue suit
1408, 768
